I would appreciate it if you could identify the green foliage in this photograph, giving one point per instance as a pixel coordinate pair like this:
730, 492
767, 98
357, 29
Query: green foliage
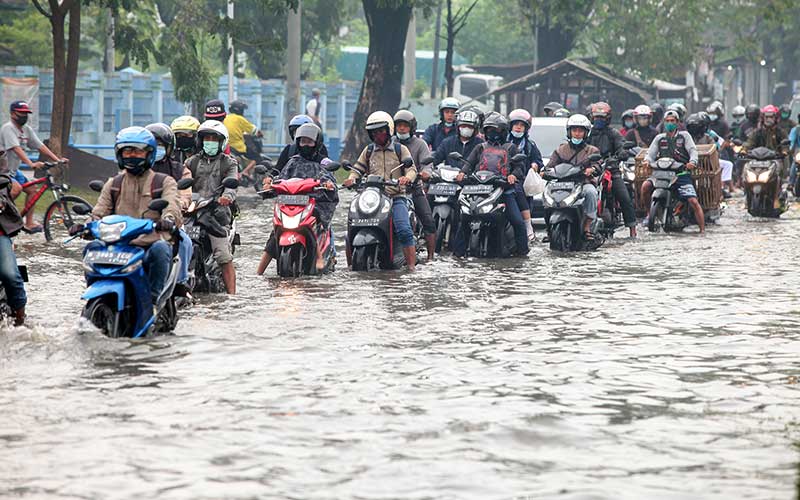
25, 39
420, 87
504, 40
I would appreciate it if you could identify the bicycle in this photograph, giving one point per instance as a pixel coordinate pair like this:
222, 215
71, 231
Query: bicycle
60, 215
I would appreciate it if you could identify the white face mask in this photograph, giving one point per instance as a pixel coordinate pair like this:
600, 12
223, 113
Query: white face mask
517, 135
465, 132
403, 137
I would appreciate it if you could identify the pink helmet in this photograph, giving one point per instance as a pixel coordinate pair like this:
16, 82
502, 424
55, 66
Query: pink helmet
520, 115
642, 110
770, 109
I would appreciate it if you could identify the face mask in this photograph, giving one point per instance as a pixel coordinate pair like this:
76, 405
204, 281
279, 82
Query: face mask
185, 143
494, 136
628, 124
307, 152
643, 121
381, 138
670, 127
21, 119
769, 122
785, 116
517, 135
448, 124
738, 119
575, 141
211, 148
599, 123
403, 137
465, 132
714, 117
135, 166
161, 152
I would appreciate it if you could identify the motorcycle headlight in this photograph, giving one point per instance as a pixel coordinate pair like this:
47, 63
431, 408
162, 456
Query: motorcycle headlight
751, 176
764, 176
133, 267
489, 201
548, 199
369, 201
111, 233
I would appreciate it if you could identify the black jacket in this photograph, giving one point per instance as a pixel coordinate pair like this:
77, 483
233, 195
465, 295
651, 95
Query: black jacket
607, 140
454, 144
299, 168
647, 134
291, 149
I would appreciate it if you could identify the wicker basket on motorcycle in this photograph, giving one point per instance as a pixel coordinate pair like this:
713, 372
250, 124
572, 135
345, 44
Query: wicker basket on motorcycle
708, 178
642, 173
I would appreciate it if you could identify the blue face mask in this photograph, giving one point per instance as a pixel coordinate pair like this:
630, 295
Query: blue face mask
161, 152
576, 141
628, 123
670, 127
517, 135
211, 148
600, 123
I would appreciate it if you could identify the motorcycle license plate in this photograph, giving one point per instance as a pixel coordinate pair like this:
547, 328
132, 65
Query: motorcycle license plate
194, 232
562, 186
442, 189
107, 257
293, 199
478, 189
365, 222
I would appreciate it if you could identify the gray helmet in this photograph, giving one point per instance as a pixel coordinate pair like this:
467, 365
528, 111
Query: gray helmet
237, 107
678, 108
407, 116
496, 120
551, 107
309, 131
561, 113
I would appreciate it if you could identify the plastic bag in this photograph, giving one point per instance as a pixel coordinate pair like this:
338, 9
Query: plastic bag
534, 184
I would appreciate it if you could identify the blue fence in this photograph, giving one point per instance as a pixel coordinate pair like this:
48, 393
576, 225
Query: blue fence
105, 103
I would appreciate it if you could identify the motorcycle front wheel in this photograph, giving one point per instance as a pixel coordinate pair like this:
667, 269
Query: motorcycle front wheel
290, 261
104, 316
365, 258
561, 237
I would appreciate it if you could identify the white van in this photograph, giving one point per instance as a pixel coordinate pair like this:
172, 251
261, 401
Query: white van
468, 86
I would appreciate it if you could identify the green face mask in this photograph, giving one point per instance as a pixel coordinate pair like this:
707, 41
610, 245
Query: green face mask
211, 148
670, 127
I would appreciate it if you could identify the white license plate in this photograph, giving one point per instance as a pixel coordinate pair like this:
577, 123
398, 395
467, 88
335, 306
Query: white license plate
442, 189
194, 232
293, 199
562, 186
365, 222
107, 257
478, 189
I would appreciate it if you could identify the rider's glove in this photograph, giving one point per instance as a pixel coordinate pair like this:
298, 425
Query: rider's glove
165, 225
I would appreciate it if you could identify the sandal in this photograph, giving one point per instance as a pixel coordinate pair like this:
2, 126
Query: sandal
33, 230
588, 235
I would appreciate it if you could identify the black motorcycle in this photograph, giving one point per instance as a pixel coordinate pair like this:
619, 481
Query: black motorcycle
443, 193
762, 180
563, 200
610, 208
255, 147
667, 212
371, 242
200, 222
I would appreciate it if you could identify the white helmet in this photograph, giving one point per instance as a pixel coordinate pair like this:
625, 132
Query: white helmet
642, 110
578, 120
380, 119
216, 128
449, 103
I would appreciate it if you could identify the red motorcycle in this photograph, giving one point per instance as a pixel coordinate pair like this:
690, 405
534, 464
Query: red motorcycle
305, 246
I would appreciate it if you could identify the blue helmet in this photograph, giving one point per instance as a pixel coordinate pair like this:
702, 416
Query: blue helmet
138, 138
296, 121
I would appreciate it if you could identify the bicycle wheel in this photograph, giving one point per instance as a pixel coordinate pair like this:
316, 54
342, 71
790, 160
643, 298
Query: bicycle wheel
60, 216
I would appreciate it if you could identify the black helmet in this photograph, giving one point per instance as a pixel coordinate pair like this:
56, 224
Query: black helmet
752, 112
696, 124
215, 110
163, 134
551, 107
497, 121
237, 107
628, 113
786, 111
406, 116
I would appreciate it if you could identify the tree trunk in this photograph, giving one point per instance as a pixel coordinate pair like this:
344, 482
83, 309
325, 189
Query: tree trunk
59, 86
71, 75
448, 57
553, 44
383, 76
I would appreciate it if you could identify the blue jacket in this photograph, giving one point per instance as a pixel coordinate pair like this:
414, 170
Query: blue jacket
451, 144
436, 133
529, 148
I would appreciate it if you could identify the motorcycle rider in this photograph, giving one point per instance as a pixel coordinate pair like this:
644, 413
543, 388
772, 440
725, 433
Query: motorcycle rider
185, 130
576, 151
209, 167
628, 122
130, 193
738, 119
495, 155
550, 108
609, 142
291, 148
438, 132
678, 145
405, 123
658, 115
238, 126
644, 132
768, 134
383, 157
10, 224
699, 126
786, 122
165, 164
752, 114
305, 165
520, 126
681, 111
464, 142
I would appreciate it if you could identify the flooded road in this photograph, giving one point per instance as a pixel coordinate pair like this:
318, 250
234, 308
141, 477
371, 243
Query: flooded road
663, 368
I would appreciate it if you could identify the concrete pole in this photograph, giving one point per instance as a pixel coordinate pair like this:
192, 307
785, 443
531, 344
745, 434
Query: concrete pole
109, 52
410, 70
293, 60
231, 58
435, 69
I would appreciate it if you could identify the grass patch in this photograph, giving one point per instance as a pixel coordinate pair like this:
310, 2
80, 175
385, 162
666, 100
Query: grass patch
48, 198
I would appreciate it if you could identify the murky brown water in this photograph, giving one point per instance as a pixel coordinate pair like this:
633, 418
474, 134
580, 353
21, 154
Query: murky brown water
658, 369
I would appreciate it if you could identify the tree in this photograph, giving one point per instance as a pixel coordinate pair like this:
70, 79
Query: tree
556, 25
65, 65
26, 39
387, 21
453, 25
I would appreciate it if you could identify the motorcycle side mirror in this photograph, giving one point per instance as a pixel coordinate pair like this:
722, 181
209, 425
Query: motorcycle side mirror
347, 165
595, 157
158, 205
185, 184
82, 209
261, 170
738, 142
628, 145
455, 155
785, 142
230, 182
96, 186
427, 161
333, 166
519, 158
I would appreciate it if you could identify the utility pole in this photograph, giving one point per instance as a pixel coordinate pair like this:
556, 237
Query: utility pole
108, 67
435, 69
411, 57
293, 60
231, 56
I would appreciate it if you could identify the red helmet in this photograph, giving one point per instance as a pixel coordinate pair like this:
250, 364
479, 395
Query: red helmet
601, 109
770, 109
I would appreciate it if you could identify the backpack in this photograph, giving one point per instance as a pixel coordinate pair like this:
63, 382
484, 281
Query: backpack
371, 149
156, 187
494, 159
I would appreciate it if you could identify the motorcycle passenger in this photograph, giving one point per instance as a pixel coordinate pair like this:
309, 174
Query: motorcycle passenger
209, 167
786, 122
644, 132
678, 145
738, 120
752, 115
185, 130
716, 113
628, 122
576, 151
10, 224
495, 155
699, 126
130, 193
768, 134
238, 126
383, 157
305, 165
291, 149
658, 115
405, 123
463, 143
550, 108
438, 132
165, 164
609, 142
520, 127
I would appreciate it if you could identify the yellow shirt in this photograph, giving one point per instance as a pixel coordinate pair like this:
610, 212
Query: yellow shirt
237, 126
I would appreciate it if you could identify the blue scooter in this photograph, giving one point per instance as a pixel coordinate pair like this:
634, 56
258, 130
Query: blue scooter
118, 299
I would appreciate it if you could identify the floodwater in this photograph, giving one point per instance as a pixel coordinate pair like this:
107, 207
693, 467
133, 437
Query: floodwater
663, 368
